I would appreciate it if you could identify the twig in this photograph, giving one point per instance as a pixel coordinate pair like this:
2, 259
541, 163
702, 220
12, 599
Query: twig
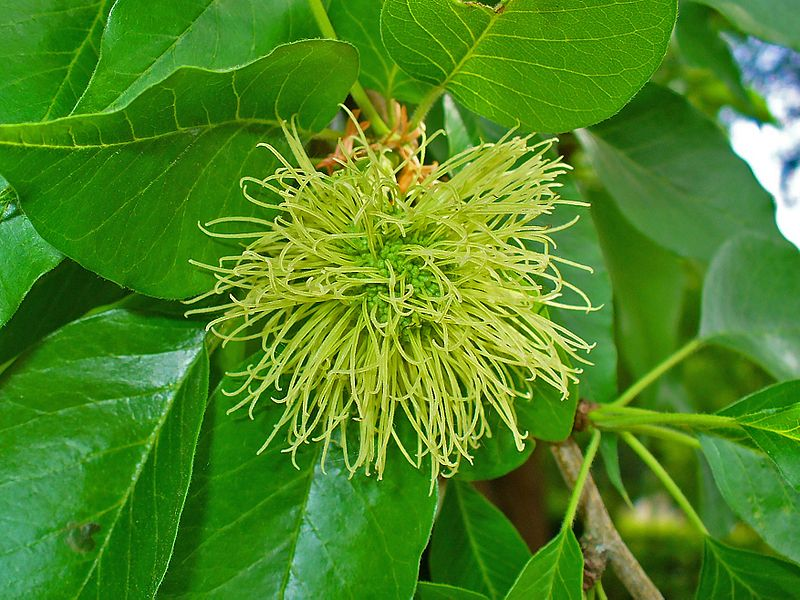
599, 526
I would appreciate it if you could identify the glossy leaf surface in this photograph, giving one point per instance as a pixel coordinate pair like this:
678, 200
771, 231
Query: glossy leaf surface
257, 522
49, 49
547, 65
754, 488
555, 571
771, 418
98, 427
143, 47
474, 546
122, 192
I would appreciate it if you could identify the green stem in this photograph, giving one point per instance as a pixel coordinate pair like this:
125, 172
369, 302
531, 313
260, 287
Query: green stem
665, 433
613, 419
672, 487
601, 593
637, 388
357, 91
425, 105
577, 491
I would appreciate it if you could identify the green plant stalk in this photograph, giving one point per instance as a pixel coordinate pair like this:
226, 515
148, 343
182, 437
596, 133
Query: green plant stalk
664, 433
425, 105
669, 483
615, 420
577, 491
638, 387
601, 593
358, 93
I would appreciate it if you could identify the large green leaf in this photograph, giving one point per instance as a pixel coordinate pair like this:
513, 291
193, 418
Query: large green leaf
60, 296
773, 20
122, 192
358, 22
49, 50
751, 302
740, 575
142, 46
25, 256
474, 546
648, 284
555, 571
675, 176
256, 525
97, 436
754, 488
548, 65
771, 419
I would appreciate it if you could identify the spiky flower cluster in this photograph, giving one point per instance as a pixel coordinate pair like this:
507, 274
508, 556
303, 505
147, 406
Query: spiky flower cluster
375, 303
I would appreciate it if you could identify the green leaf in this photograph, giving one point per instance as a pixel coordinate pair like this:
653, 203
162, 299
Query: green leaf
358, 22
142, 47
675, 177
99, 425
26, 257
50, 48
555, 571
580, 244
740, 575
751, 299
701, 46
754, 488
771, 419
547, 66
60, 296
257, 522
439, 591
648, 284
609, 450
122, 192
474, 546
772, 20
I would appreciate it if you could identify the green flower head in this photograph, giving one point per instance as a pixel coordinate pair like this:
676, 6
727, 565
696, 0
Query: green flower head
377, 302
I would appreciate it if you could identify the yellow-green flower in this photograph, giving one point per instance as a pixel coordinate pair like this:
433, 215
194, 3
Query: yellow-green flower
375, 304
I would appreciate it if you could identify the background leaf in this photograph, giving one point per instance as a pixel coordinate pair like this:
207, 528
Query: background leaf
60, 296
753, 487
122, 192
26, 257
648, 286
474, 546
49, 50
751, 300
773, 20
740, 575
589, 59
359, 22
555, 571
771, 419
98, 432
256, 522
143, 47
674, 175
